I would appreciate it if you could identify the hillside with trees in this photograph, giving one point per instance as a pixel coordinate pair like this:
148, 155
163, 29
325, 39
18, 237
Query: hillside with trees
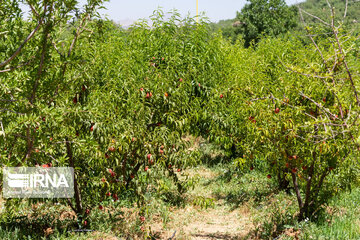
321, 10
251, 23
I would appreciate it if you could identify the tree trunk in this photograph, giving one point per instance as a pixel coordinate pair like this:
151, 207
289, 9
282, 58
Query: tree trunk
79, 207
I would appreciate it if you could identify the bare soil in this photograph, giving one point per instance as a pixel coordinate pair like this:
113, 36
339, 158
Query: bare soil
217, 222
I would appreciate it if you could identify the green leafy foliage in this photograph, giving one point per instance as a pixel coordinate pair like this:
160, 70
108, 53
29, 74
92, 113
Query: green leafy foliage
117, 106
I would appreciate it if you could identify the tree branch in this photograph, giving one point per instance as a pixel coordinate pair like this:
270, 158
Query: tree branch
346, 8
9, 110
319, 19
32, 9
42, 59
312, 39
76, 187
297, 190
22, 45
19, 66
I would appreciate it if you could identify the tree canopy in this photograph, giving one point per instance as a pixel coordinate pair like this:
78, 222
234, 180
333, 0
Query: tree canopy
269, 17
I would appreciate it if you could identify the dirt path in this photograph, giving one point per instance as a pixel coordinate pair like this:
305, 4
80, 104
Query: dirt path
216, 222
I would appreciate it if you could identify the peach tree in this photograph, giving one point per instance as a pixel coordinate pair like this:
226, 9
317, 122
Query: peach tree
34, 71
79, 91
307, 113
290, 107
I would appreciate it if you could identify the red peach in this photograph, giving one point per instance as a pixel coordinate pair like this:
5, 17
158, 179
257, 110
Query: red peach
115, 197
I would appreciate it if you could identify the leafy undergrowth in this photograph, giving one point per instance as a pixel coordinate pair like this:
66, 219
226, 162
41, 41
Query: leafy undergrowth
221, 205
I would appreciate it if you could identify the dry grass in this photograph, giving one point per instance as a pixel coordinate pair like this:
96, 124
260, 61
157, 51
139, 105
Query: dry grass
102, 236
192, 222
201, 172
218, 223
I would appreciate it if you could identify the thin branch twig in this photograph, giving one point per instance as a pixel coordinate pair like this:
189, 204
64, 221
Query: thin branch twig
32, 9
319, 19
22, 45
9, 110
19, 66
346, 8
